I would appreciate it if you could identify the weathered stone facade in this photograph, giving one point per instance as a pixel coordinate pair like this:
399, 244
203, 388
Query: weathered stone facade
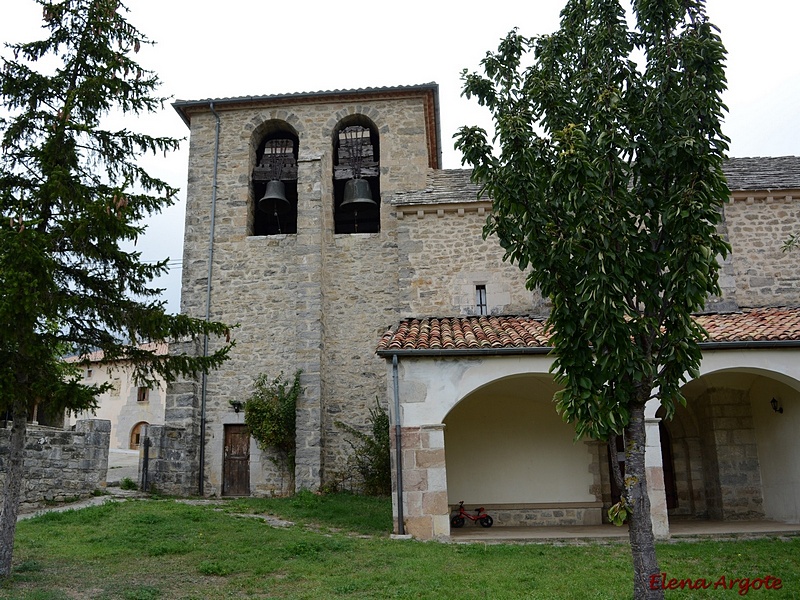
758, 225
317, 300
61, 465
314, 300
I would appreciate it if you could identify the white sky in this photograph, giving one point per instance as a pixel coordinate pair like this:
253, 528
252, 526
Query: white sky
244, 48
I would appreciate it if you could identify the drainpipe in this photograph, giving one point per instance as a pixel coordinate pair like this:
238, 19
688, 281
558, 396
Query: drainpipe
401, 528
204, 383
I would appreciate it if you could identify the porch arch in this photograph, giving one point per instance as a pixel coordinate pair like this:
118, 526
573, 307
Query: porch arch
508, 449
735, 457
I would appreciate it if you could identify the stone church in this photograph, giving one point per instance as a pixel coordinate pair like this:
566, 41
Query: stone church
324, 227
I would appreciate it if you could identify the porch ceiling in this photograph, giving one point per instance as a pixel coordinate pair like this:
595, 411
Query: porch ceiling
523, 334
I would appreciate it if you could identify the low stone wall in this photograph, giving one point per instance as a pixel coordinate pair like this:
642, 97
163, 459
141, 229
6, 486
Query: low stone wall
59, 464
541, 515
172, 464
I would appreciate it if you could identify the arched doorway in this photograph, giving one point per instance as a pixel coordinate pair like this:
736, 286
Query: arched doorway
136, 434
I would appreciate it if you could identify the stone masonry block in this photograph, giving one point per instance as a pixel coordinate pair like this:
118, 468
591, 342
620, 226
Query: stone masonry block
429, 458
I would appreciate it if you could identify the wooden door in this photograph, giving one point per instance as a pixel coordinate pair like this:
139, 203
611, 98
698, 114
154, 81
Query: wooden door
236, 461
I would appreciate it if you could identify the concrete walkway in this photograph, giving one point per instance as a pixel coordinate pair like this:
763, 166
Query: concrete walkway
680, 530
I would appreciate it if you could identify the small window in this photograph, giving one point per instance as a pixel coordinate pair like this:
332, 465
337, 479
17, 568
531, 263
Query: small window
480, 300
143, 394
88, 373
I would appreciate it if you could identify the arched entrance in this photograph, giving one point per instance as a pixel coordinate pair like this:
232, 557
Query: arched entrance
506, 448
735, 457
136, 435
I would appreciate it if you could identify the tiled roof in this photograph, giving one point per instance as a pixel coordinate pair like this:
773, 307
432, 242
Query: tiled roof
519, 334
443, 186
755, 324
763, 173
744, 174
159, 348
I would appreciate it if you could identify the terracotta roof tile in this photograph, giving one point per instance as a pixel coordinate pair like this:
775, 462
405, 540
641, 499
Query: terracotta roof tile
521, 332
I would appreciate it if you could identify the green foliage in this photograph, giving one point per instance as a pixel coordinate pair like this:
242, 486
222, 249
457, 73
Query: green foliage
72, 201
72, 198
126, 483
370, 458
270, 414
618, 513
608, 188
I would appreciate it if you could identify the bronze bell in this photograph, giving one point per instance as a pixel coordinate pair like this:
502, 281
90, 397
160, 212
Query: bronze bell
357, 192
274, 200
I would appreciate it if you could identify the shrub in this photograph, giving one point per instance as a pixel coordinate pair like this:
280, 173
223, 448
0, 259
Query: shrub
270, 415
126, 483
371, 452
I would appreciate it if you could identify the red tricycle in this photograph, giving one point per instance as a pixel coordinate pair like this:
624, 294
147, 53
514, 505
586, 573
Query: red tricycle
480, 516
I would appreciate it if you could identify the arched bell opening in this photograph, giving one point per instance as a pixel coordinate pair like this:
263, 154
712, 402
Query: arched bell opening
356, 176
274, 183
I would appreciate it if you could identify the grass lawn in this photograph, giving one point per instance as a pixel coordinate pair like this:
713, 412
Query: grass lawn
339, 548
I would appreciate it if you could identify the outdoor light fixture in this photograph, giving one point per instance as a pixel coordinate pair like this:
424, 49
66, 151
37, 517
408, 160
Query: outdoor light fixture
774, 404
237, 406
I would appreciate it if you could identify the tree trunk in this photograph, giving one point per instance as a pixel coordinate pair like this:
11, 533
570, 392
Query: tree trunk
12, 488
640, 526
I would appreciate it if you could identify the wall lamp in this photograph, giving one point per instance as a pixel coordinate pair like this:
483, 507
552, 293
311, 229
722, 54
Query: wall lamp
774, 404
237, 406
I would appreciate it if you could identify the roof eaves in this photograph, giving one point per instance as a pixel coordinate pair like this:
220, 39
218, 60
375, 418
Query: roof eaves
181, 106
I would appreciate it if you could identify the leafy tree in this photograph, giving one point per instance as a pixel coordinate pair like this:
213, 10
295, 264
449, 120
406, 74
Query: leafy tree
270, 414
607, 185
71, 194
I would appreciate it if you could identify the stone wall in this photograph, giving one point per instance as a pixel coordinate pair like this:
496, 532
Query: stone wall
172, 465
61, 464
757, 227
549, 515
425, 509
443, 256
314, 300
318, 301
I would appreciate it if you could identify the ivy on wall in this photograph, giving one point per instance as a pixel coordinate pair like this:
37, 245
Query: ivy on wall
270, 414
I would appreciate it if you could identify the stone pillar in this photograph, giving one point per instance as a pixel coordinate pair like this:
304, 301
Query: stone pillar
732, 470
655, 479
425, 509
308, 325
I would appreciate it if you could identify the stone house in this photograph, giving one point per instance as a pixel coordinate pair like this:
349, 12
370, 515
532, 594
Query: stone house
128, 405
318, 271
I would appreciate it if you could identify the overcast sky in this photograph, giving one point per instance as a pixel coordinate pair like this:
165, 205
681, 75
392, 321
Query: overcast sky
244, 48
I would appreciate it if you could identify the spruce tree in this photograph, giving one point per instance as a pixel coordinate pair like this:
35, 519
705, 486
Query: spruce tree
72, 199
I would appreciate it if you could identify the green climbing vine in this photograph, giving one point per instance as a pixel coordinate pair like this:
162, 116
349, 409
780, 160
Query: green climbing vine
270, 415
